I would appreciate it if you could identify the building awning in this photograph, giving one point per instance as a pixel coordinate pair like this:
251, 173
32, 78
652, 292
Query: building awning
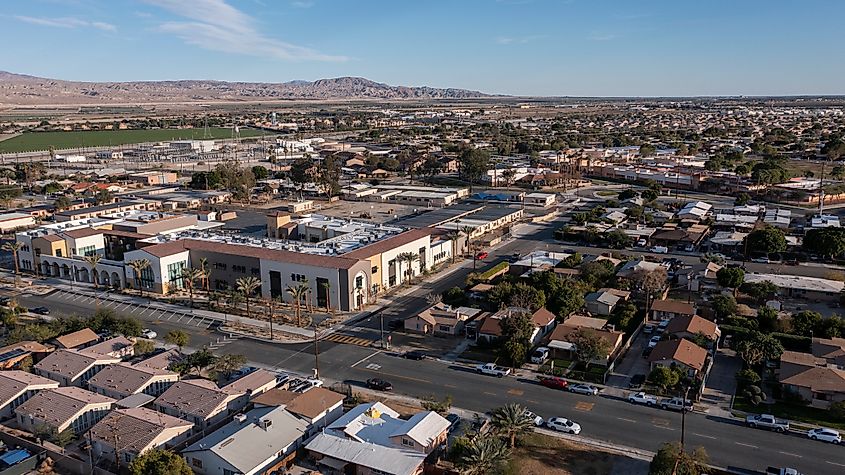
561, 345
333, 463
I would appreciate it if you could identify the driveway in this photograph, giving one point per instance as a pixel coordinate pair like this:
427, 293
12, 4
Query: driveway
631, 364
721, 383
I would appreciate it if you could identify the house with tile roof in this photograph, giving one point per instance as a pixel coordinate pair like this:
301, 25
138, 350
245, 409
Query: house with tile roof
12, 355
317, 406
16, 387
688, 326
817, 377
63, 408
197, 400
670, 308
372, 438
263, 440
123, 380
124, 434
77, 340
561, 340
73, 367
683, 354
117, 347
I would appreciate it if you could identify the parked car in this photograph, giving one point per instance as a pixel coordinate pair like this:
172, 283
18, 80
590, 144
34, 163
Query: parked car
415, 355
537, 420
663, 324
562, 424
492, 370
554, 382
647, 352
825, 435
676, 404
148, 334
454, 421
654, 340
40, 310
767, 421
5, 300
648, 329
586, 389
642, 243
760, 260
643, 398
482, 255
379, 384
660, 249
540, 355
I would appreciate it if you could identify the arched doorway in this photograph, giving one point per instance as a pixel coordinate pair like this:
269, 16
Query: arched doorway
83, 275
65, 271
115, 280
104, 279
55, 272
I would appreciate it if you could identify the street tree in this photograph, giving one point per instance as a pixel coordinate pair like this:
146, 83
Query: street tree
664, 377
516, 335
671, 459
159, 462
298, 292
825, 242
190, 275
768, 240
227, 364
473, 164
138, 267
731, 277
247, 286
511, 421
142, 347
589, 345
178, 338
14, 247
482, 455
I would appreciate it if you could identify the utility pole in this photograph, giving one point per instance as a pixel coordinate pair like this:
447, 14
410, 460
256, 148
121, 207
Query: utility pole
316, 353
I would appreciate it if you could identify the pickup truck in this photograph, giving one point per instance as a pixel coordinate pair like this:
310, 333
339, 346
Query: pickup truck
492, 370
782, 471
767, 421
676, 404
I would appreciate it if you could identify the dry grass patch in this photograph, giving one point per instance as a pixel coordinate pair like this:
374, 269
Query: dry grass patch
540, 454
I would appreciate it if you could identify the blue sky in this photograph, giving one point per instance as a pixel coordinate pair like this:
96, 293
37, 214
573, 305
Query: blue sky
520, 47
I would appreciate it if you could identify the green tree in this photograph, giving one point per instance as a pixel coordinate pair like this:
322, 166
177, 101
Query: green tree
63, 438
200, 360
664, 377
649, 195
298, 292
647, 150
671, 460
767, 319
566, 300
190, 276
826, 242
754, 394
628, 194
742, 199
483, 454
138, 267
731, 277
431, 403
227, 364
473, 164
759, 291
767, 240
14, 247
597, 274
142, 347
62, 203
756, 347
516, 333
834, 149
455, 296
178, 338
247, 286
831, 327
260, 173
837, 411
159, 462
589, 345
511, 421
526, 296
301, 170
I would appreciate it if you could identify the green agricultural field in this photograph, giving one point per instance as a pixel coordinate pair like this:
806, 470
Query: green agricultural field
35, 141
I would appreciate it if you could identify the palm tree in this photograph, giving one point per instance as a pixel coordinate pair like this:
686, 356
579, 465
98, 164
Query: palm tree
247, 286
14, 247
510, 420
138, 266
205, 274
298, 292
467, 230
189, 276
454, 236
93, 260
483, 454
408, 258
327, 286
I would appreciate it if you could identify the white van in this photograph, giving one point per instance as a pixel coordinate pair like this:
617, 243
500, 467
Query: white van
540, 355
660, 249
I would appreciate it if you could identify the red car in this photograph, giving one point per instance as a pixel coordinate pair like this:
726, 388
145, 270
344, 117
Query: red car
554, 383
481, 255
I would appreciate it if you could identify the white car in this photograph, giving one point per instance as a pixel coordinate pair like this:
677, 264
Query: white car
148, 334
585, 389
654, 340
642, 398
562, 424
537, 420
825, 435
540, 355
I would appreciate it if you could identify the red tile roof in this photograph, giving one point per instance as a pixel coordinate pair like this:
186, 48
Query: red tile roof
682, 351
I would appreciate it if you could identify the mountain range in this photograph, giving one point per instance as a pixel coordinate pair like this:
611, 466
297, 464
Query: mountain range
20, 89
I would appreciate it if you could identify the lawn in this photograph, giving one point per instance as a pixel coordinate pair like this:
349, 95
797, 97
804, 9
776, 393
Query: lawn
484, 355
607, 193
34, 141
540, 454
793, 412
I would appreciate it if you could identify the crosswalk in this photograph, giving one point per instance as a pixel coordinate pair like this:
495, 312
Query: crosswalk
348, 339
221, 342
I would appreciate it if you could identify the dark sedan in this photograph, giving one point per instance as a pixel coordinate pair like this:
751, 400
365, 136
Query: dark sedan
379, 384
40, 310
415, 355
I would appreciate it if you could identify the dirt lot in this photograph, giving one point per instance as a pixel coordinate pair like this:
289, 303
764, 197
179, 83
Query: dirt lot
544, 455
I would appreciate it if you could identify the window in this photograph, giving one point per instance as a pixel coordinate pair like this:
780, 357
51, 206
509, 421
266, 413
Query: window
298, 278
359, 282
219, 266
445, 328
87, 251
256, 271
241, 269
127, 457
226, 471
407, 442
147, 277
174, 273
374, 269
196, 462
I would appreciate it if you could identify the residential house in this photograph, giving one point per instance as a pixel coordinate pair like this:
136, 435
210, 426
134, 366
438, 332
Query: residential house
134, 431
317, 406
263, 440
817, 377
688, 327
16, 387
62, 408
123, 380
631, 268
682, 354
695, 211
799, 286
670, 308
372, 439
117, 347
12, 355
76, 340
441, 319
199, 401
73, 367
249, 385
602, 302
561, 344
831, 349
491, 329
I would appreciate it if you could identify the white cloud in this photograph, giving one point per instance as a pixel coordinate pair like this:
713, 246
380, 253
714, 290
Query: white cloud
215, 25
66, 22
506, 40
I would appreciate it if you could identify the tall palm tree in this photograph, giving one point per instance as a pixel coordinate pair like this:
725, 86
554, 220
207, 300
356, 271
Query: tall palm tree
93, 260
247, 286
454, 236
510, 420
483, 454
14, 247
467, 230
327, 286
298, 292
189, 276
138, 266
206, 274
408, 258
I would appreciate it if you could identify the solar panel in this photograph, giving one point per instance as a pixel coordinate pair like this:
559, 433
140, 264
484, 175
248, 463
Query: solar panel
12, 354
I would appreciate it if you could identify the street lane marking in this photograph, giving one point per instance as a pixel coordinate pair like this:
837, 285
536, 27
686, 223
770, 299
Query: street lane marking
489, 394
584, 406
516, 392
373, 366
364, 359
705, 436
450, 386
789, 453
835, 463
626, 420
391, 375
660, 422
746, 445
